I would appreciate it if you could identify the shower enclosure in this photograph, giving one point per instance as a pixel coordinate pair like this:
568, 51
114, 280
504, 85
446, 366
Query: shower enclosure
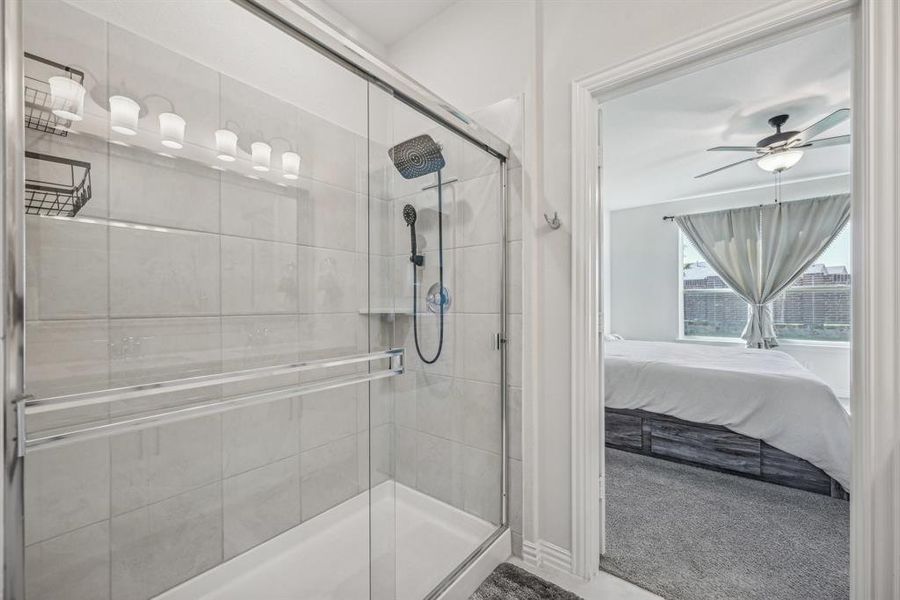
211, 383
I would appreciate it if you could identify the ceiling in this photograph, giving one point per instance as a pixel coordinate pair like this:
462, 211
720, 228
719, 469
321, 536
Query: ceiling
655, 139
388, 21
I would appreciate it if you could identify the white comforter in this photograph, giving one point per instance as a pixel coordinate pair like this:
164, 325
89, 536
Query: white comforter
764, 394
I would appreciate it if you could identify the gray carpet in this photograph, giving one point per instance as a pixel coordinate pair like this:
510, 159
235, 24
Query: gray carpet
691, 534
509, 582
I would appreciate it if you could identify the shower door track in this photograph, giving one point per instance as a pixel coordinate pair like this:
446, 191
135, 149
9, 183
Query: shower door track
304, 24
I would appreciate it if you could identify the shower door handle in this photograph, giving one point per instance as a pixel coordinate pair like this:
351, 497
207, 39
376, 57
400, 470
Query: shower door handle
499, 340
29, 407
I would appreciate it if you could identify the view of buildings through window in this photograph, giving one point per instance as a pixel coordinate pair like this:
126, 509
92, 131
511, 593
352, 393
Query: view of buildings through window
815, 307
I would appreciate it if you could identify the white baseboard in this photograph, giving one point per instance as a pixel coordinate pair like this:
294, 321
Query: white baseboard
543, 554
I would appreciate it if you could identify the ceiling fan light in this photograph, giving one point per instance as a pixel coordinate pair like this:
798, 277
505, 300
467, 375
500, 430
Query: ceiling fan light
779, 161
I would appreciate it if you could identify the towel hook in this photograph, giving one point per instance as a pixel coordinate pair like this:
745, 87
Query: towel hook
554, 223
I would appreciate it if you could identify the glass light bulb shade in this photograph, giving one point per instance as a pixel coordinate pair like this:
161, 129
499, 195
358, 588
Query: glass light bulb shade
171, 129
226, 145
123, 115
290, 165
261, 154
67, 98
780, 161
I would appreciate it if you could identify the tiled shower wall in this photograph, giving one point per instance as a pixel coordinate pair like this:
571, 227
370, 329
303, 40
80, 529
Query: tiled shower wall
177, 269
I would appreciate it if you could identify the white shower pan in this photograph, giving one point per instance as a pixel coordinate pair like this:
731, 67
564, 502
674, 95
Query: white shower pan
416, 541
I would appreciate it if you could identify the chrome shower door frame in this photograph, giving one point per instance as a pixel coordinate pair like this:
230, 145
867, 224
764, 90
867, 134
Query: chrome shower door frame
13, 297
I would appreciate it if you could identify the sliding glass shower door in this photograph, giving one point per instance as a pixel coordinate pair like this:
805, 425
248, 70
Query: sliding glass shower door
264, 321
437, 268
197, 340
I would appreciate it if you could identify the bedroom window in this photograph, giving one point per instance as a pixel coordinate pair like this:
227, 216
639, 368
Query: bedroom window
815, 307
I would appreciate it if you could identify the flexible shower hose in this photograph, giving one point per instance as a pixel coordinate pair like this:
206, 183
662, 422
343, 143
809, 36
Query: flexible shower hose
440, 284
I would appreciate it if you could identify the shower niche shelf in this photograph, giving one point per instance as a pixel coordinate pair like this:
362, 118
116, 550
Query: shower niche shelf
386, 312
38, 101
55, 186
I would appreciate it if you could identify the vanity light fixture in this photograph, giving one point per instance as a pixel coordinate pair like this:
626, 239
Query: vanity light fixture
226, 145
171, 129
261, 154
290, 165
67, 98
123, 115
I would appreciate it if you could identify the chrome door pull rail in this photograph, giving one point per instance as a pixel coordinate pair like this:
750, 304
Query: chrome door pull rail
60, 437
43, 405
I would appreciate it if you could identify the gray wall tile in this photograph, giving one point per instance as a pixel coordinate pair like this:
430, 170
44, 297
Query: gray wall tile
258, 435
66, 488
328, 476
68, 273
73, 566
258, 210
159, 463
327, 416
161, 545
258, 277
163, 274
260, 504
481, 482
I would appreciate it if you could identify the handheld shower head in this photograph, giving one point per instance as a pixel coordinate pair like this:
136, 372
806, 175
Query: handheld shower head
409, 214
417, 156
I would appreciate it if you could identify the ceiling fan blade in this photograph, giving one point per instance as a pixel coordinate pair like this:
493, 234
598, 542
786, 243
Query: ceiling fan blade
740, 162
733, 149
832, 141
835, 118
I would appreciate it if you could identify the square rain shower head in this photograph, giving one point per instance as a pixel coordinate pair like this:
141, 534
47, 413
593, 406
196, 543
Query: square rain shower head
418, 156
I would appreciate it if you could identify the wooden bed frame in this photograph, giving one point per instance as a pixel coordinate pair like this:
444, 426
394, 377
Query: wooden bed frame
714, 447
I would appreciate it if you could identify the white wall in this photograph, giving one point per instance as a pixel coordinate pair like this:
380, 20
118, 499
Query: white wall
645, 307
473, 54
474, 50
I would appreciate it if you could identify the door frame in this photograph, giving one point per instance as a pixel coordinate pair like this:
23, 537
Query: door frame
875, 546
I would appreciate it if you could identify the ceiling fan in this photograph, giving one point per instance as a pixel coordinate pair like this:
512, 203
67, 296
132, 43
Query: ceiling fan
784, 149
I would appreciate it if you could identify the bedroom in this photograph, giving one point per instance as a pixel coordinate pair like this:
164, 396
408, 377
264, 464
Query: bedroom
727, 428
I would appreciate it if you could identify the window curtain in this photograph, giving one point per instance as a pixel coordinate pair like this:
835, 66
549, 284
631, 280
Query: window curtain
759, 251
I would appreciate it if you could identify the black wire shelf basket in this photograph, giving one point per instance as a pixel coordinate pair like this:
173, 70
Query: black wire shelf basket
55, 186
39, 114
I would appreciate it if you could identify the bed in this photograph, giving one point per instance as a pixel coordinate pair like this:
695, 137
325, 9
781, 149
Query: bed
755, 413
